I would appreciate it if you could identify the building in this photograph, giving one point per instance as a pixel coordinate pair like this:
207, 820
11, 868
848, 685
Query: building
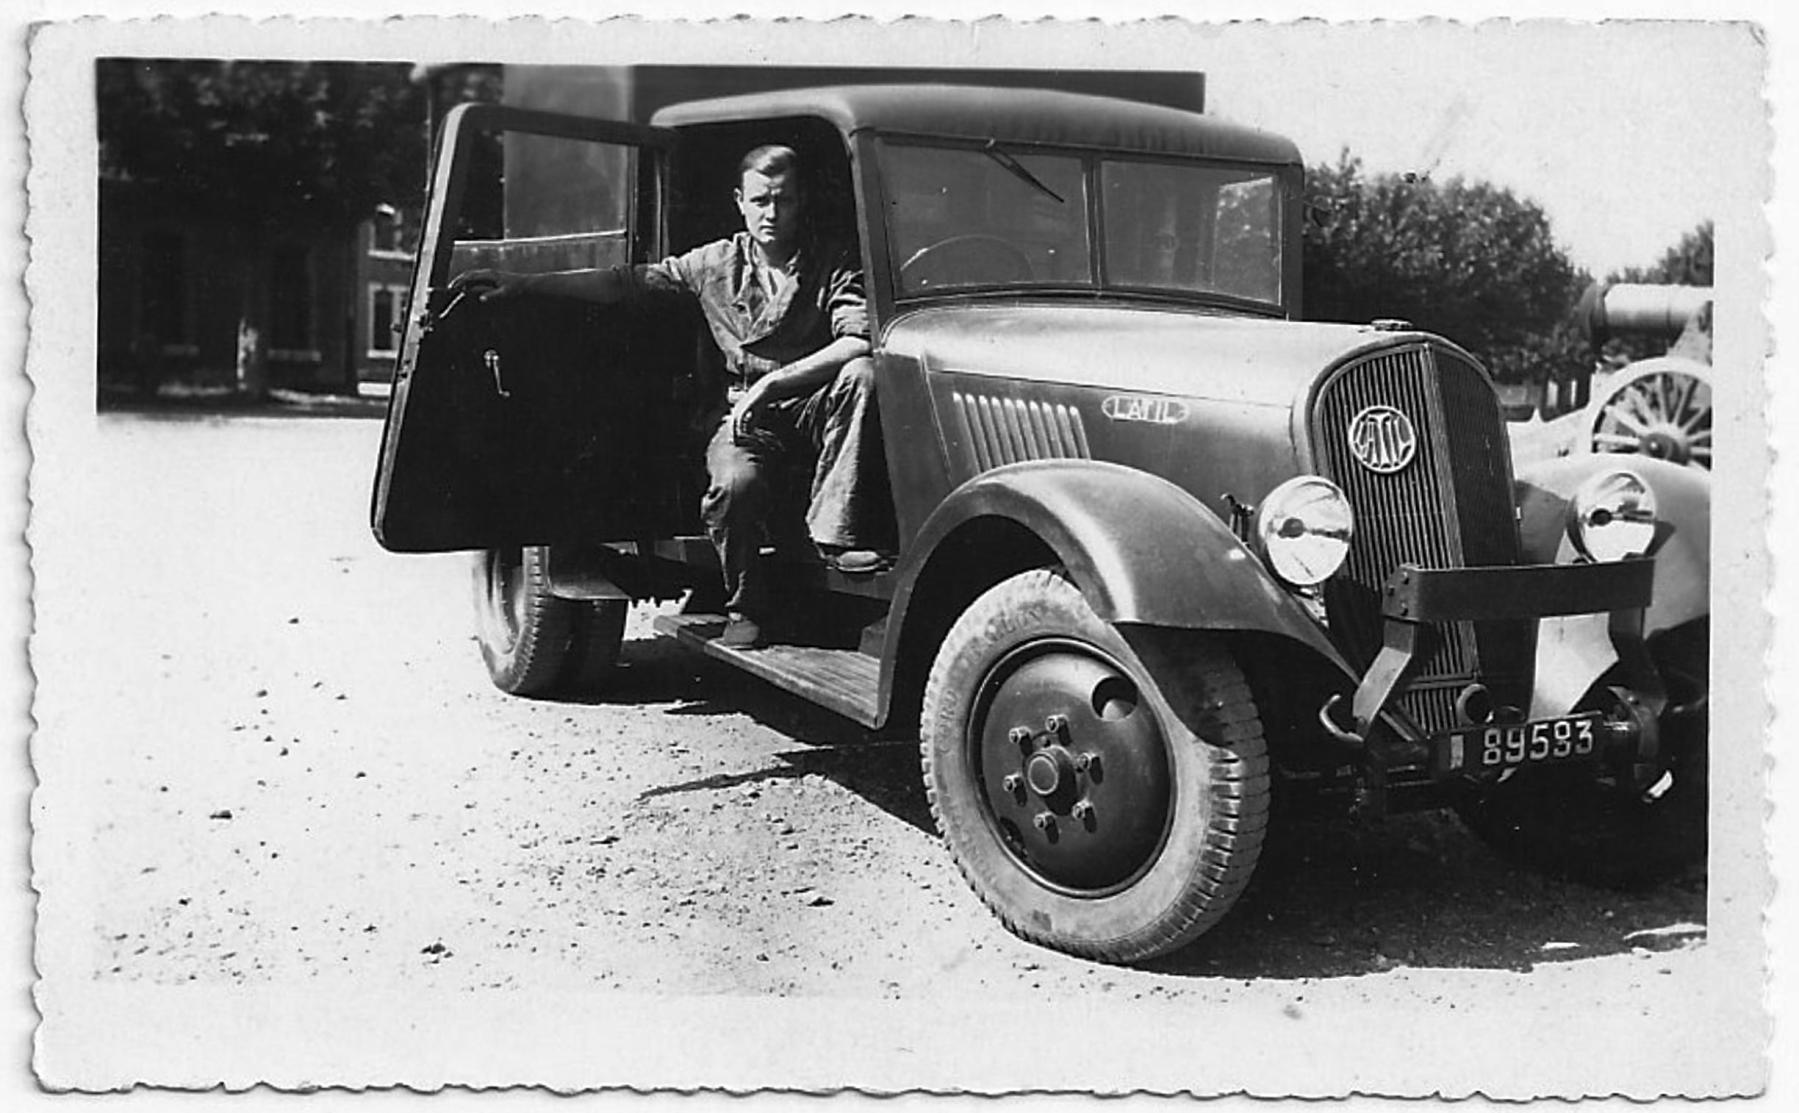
176, 283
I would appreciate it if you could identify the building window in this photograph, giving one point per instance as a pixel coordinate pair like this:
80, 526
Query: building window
290, 304
387, 308
163, 303
387, 237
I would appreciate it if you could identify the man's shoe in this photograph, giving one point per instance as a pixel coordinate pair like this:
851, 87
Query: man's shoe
741, 632
856, 561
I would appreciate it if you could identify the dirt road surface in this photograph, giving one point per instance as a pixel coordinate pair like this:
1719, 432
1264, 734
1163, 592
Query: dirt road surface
280, 764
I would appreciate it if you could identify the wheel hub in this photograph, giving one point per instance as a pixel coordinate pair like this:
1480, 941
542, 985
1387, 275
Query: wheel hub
1048, 770
1664, 444
1074, 768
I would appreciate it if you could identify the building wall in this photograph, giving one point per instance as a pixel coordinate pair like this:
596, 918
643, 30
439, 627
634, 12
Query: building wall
384, 249
175, 282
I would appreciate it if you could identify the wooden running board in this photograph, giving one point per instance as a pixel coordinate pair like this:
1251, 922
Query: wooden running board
844, 680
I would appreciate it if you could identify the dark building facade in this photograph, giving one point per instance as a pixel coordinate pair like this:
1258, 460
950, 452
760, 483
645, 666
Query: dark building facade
177, 284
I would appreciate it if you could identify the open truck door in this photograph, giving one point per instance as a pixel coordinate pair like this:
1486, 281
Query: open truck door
532, 421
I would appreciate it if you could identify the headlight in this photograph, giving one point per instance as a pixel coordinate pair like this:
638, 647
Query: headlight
1304, 526
1612, 517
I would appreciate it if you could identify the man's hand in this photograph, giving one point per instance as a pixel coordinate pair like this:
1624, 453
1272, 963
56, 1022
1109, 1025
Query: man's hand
746, 414
490, 285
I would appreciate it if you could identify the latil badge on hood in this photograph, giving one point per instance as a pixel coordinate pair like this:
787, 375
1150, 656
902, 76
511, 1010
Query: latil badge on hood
1145, 408
1382, 439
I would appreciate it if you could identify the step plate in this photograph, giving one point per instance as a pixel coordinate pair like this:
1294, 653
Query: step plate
843, 680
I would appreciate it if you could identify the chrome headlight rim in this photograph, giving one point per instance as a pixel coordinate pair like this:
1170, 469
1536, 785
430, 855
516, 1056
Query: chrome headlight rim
1612, 516
1303, 528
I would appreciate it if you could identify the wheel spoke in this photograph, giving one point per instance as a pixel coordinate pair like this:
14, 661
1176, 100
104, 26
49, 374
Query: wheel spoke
1685, 399
1617, 441
1615, 411
1646, 401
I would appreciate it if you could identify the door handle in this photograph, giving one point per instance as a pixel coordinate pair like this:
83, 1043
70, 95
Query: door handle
491, 358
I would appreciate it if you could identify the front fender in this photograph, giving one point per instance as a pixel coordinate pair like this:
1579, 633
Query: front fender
1143, 550
1573, 652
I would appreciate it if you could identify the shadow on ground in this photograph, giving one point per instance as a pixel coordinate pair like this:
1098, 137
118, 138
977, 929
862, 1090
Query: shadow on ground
1331, 897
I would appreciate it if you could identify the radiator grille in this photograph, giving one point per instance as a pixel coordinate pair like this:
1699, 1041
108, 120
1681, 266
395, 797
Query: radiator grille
1450, 507
1009, 430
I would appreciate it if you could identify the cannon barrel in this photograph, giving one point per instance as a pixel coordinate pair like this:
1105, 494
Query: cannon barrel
1636, 308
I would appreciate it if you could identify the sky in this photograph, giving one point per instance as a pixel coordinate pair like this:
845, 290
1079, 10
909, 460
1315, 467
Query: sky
1627, 136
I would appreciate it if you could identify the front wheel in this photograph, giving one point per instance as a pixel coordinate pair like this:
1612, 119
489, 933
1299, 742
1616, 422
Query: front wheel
535, 643
1093, 811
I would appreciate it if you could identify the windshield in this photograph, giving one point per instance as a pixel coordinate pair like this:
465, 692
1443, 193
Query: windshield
985, 217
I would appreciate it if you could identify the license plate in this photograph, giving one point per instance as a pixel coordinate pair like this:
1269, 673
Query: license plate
1501, 746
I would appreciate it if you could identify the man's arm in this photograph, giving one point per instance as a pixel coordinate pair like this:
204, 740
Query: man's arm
807, 374
605, 285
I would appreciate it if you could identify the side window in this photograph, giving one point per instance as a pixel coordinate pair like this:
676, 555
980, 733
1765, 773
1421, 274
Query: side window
560, 204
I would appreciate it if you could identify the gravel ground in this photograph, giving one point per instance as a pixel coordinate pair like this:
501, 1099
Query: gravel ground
278, 764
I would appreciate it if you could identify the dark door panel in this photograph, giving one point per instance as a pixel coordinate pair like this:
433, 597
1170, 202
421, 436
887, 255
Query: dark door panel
540, 420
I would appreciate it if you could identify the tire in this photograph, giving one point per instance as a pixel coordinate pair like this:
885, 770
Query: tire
1573, 828
534, 643
593, 650
1179, 802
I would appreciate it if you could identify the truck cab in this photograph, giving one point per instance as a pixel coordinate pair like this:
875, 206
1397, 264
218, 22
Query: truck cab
1161, 541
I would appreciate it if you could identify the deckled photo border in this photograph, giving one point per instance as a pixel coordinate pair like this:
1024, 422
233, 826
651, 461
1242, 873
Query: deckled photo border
96, 1036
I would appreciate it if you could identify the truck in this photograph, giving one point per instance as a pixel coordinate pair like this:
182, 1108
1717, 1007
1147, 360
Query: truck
1166, 549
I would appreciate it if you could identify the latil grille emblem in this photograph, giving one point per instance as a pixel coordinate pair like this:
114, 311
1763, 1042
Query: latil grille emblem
1382, 439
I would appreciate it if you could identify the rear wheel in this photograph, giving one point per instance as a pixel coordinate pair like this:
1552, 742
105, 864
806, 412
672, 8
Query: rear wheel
535, 643
1090, 810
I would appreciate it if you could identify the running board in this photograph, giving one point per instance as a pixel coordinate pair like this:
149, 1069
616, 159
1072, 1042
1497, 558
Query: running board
844, 680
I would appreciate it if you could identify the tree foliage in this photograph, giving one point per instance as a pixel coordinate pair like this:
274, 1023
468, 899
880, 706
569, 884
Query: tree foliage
1468, 260
265, 141
1687, 263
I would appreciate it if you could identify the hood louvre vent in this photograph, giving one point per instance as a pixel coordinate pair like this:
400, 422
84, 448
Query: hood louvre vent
1012, 430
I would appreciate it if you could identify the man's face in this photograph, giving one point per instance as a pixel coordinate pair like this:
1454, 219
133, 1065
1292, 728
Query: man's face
771, 208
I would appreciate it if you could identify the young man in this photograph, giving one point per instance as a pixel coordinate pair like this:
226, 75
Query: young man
786, 307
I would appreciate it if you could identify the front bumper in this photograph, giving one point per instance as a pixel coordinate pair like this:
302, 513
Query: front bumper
1414, 598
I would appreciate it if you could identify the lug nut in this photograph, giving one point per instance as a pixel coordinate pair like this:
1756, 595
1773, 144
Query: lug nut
1014, 784
1056, 724
1044, 822
1086, 761
1083, 811
1019, 736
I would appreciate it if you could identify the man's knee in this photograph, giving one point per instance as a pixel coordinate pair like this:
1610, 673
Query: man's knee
735, 486
857, 377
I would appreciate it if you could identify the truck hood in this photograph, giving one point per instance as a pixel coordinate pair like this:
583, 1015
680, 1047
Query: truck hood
1139, 349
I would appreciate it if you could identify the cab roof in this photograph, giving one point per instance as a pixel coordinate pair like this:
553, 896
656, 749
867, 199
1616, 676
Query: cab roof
1013, 116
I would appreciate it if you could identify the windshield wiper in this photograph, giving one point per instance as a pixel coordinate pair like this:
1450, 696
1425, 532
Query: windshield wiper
1015, 168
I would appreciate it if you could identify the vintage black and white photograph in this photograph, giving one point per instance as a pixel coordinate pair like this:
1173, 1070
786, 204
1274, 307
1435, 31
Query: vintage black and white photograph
936, 556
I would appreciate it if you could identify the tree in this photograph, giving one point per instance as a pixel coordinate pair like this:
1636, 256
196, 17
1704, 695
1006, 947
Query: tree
1469, 260
266, 146
1687, 263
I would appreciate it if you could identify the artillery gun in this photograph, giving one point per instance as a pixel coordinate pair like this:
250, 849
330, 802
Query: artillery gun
1661, 406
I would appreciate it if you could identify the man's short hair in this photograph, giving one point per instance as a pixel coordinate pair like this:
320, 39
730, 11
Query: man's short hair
769, 160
